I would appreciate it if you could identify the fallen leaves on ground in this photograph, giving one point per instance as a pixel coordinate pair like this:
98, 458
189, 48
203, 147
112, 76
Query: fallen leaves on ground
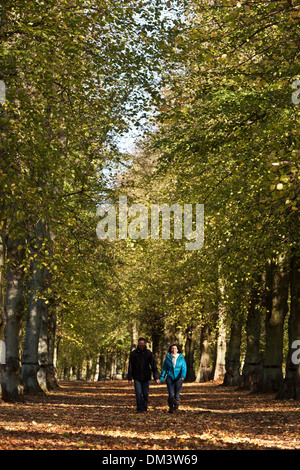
102, 416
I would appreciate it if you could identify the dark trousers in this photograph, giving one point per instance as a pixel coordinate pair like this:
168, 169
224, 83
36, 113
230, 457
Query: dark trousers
141, 388
174, 388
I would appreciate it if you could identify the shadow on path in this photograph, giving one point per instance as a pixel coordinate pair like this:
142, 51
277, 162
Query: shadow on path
102, 415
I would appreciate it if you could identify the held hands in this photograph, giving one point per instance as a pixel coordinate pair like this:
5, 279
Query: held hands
130, 382
157, 381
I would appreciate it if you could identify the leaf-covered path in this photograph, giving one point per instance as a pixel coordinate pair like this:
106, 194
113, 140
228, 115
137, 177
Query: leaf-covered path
101, 415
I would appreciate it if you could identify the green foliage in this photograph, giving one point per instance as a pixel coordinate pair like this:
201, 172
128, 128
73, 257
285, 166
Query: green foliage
76, 75
226, 135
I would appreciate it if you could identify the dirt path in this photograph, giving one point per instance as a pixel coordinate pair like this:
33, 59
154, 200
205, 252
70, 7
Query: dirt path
101, 415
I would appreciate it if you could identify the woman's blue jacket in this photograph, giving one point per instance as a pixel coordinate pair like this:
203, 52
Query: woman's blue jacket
174, 373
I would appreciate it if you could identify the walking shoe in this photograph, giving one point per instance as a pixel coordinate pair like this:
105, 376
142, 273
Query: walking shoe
171, 402
176, 405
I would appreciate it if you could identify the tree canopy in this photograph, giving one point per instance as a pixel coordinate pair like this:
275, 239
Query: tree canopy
211, 88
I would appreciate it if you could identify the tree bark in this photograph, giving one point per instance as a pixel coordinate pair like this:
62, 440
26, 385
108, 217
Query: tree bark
156, 341
30, 364
189, 353
89, 369
2, 313
219, 369
233, 362
135, 336
118, 365
252, 368
167, 340
204, 373
52, 374
14, 312
108, 365
277, 308
157, 322
291, 384
102, 366
43, 349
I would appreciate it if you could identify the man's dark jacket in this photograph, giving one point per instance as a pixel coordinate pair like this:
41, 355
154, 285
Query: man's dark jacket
141, 363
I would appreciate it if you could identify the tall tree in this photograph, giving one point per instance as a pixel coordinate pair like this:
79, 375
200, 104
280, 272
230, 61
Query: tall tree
75, 77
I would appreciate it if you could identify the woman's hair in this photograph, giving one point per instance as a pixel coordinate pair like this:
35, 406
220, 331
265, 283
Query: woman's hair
169, 350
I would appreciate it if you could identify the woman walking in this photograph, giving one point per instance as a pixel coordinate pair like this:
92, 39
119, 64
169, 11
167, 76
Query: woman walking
174, 368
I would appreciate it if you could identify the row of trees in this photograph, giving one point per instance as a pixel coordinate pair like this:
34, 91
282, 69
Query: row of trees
76, 74
225, 135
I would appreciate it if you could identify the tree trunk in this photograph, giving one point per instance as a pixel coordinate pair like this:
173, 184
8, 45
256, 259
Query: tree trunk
30, 364
167, 339
89, 369
291, 384
157, 322
252, 369
83, 370
64, 371
134, 342
219, 370
52, 375
108, 366
2, 313
277, 308
189, 354
118, 365
113, 366
204, 373
233, 362
14, 312
102, 366
97, 369
73, 372
135, 336
43, 350
156, 339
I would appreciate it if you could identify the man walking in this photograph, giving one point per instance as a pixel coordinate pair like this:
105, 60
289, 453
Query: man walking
141, 364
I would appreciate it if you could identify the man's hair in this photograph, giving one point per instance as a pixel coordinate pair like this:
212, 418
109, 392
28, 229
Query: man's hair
141, 339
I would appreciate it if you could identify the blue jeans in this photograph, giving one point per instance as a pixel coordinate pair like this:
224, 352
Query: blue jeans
141, 394
174, 388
